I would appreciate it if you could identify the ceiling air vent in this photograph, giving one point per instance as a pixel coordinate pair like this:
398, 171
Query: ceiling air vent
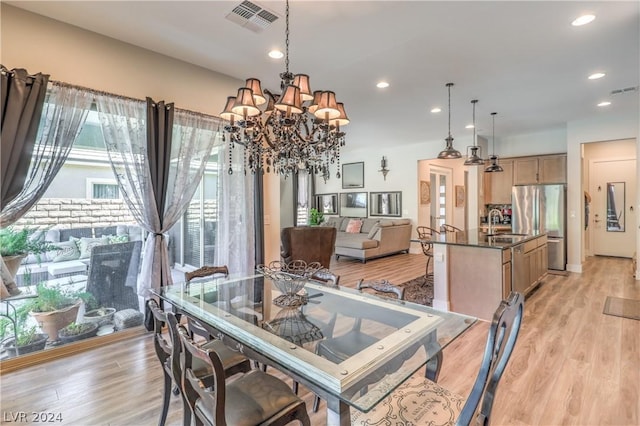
252, 16
625, 90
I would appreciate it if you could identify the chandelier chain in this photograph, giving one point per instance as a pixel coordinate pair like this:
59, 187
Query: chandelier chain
286, 42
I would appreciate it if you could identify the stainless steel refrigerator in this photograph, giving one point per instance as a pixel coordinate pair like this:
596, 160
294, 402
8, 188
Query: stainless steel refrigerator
542, 209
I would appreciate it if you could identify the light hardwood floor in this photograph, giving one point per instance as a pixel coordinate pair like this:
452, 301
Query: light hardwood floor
572, 365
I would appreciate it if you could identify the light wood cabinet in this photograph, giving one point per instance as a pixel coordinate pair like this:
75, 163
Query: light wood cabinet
540, 169
497, 186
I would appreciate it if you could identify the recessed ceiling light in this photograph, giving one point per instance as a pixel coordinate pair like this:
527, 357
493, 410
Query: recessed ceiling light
469, 126
596, 75
435, 110
583, 20
382, 85
276, 54
604, 104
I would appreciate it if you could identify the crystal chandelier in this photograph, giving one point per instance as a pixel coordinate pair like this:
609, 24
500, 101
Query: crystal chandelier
297, 129
449, 153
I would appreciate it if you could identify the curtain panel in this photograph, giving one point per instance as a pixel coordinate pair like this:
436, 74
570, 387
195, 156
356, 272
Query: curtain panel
64, 112
158, 155
21, 102
236, 237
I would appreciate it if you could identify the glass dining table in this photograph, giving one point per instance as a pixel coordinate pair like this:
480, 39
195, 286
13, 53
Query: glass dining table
248, 314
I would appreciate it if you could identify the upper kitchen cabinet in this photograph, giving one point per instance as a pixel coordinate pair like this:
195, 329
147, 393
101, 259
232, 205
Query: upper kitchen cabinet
497, 185
540, 169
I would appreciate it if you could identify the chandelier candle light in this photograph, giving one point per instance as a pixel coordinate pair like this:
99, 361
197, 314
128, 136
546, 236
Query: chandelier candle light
449, 153
297, 129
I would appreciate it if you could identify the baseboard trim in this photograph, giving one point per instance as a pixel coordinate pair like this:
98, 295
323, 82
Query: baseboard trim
441, 305
574, 268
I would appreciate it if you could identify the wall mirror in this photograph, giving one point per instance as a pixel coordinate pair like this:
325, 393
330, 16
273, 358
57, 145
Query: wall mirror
353, 204
615, 206
353, 175
327, 203
385, 203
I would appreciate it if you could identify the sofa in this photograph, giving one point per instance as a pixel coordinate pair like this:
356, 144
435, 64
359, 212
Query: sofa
369, 238
74, 251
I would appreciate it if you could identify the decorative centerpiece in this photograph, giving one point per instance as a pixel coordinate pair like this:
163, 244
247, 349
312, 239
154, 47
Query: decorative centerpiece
290, 278
292, 325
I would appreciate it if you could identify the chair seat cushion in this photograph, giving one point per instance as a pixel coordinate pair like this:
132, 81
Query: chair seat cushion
418, 401
252, 399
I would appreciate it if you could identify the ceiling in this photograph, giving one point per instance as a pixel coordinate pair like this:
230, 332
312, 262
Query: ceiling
520, 59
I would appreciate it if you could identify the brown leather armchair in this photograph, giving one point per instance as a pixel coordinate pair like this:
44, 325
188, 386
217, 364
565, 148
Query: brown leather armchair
308, 243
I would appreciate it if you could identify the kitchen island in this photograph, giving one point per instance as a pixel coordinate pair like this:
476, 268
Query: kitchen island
474, 271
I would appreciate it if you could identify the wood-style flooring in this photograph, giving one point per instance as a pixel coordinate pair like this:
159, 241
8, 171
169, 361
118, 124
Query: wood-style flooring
572, 365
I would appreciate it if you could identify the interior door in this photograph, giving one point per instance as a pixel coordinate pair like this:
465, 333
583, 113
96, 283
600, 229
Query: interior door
612, 186
441, 196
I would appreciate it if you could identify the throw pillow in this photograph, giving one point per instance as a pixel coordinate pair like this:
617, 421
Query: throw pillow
353, 227
67, 250
115, 239
87, 244
373, 231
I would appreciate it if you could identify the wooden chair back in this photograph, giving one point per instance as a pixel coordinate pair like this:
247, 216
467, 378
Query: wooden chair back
501, 340
206, 271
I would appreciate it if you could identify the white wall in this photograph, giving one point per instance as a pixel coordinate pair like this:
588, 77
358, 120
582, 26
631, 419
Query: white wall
552, 141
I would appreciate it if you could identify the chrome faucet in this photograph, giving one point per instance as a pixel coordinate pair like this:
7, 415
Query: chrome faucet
492, 222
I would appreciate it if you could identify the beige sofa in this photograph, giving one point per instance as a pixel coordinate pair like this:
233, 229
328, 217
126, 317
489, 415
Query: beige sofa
376, 237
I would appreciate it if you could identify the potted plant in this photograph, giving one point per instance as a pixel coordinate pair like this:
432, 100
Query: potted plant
100, 316
56, 307
77, 331
28, 339
316, 217
15, 245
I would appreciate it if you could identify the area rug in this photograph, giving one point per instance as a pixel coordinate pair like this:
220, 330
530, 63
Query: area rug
619, 307
418, 290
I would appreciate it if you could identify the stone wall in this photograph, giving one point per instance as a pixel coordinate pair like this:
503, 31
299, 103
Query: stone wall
70, 213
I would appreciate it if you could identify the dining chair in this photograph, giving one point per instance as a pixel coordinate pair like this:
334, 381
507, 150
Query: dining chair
205, 271
308, 243
421, 401
255, 398
168, 353
425, 234
449, 228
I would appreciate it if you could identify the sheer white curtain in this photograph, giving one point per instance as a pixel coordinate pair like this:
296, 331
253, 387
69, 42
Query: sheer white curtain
65, 111
124, 125
235, 240
302, 197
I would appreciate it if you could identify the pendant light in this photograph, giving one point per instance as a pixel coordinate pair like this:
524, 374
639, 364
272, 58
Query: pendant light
473, 159
494, 166
449, 153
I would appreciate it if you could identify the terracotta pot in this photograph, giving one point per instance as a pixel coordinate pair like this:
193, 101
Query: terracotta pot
51, 322
13, 263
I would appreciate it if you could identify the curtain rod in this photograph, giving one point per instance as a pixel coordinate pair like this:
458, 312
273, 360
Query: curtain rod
128, 98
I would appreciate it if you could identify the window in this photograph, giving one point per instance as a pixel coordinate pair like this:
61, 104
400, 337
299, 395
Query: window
102, 189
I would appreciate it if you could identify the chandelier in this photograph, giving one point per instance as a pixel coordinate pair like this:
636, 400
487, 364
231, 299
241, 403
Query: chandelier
449, 153
295, 130
494, 167
473, 159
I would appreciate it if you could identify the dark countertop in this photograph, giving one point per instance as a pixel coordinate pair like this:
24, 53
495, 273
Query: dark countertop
478, 238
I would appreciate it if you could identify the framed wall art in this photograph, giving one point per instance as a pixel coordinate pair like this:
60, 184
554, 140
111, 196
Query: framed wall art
353, 175
425, 192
